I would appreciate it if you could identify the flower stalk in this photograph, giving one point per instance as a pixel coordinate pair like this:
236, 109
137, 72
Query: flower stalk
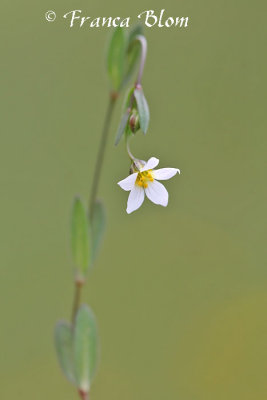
143, 42
130, 154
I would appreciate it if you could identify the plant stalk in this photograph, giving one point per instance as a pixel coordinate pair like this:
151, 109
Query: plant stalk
101, 152
76, 300
96, 177
143, 43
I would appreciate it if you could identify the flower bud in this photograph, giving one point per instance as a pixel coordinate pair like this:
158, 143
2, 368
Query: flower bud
134, 121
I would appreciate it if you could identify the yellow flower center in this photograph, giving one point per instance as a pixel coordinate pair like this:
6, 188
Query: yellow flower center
143, 178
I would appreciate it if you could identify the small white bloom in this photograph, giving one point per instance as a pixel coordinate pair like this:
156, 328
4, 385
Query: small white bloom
144, 181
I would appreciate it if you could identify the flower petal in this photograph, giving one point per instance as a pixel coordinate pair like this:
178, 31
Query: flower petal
152, 163
157, 193
165, 173
128, 183
135, 199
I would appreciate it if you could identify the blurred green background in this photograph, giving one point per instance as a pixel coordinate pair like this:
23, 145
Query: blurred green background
179, 293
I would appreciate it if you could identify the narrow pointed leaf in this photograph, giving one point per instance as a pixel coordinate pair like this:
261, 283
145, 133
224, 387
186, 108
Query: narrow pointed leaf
143, 109
98, 227
122, 126
128, 99
126, 112
63, 343
116, 58
133, 52
135, 31
80, 238
132, 61
85, 347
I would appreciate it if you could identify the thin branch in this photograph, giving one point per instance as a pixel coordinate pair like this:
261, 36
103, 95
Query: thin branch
143, 42
76, 300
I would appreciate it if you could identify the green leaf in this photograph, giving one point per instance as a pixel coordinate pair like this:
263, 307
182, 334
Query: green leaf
98, 227
85, 347
128, 97
116, 58
80, 238
133, 52
63, 342
122, 126
125, 117
143, 109
135, 31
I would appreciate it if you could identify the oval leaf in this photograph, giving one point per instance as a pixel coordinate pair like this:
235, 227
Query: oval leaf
64, 349
143, 109
80, 238
116, 58
98, 223
85, 347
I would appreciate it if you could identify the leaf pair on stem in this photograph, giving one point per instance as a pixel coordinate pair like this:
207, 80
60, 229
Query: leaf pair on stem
77, 343
77, 348
86, 236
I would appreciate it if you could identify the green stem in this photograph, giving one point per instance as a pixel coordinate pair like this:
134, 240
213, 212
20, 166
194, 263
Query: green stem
143, 42
76, 300
101, 153
130, 154
96, 178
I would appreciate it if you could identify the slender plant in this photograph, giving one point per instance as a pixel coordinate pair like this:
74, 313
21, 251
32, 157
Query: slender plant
77, 341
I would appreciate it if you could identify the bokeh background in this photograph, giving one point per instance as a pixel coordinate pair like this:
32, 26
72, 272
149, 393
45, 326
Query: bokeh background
179, 293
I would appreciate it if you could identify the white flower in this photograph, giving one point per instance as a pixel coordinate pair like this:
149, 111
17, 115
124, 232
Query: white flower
144, 181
